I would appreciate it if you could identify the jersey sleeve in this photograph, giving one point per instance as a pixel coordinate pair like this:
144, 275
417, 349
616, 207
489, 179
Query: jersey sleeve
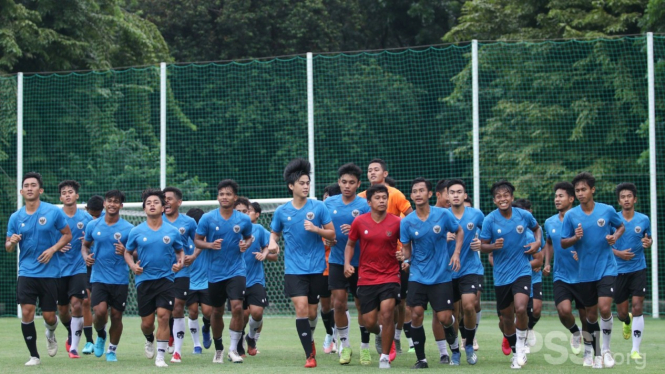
276, 224
531, 220
401, 202
131, 240
191, 232
452, 223
615, 218
567, 229
202, 228
486, 233
404, 232
89, 228
647, 226
325, 215
265, 238
353, 233
11, 225
177, 243
60, 219
247, 228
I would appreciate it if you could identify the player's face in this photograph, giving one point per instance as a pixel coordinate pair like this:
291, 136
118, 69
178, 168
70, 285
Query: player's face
627, 200
419, 194
379, 202
457, 195
301, 187
30, 190
153, 207
503, 199
68, 196
583, 192
253, 216
172, 203
348, 184
112, 206
226, 197
376, 174
242, 208
94, 213
442, 198
562, 201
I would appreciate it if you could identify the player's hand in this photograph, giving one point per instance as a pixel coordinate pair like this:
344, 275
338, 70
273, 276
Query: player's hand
259, 256
46, 256
536, 270
547, 270
217, 244
574, 253
243, 244
475, 245
454, 262
611, 239
532, 248
626, 254
274, 249
309, 226
579, 233
345, 229
119, 248
405, 266
348, 270
647, 241
450, 237
176, 267
66, 248
399, 255
136, 268
189, 259
89, 259
15, 238
330, 243
82, 238
498, 244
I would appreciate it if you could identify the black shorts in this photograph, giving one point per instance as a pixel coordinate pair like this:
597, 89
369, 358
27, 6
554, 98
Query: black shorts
326, 293
153, 294
337, 280
537, 290
440, 295
404, 282
72, 286
628, 284
505, 295
88, 272
310, 285
114, 295
372, 296
566, 291
255, 295
467, 284
481, 282
591, 291
232, 289
29, 290
181, 286
198, 297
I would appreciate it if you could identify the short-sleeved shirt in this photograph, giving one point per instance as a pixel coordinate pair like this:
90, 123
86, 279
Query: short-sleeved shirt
71, 262
471, 222
156, 250
304, 252
565, 267
186, 226
40, 231
636, 228
198, 270
378, 245
227, 262
429, 245
536, 276
397, 202
596, 258
109, 268
255, 274
344, 214
510, 262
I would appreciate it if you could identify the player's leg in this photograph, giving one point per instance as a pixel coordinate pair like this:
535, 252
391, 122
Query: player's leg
468, 306
403, 317
87, 323
637, 326
297, 288
146, 298
100, 319
521, 302
440, 338
217, 292
622, 293
387, 318
26, 296
563, 300
534, 311
478, 308
328, 319
605, 298
415, 301
47, 295
64, 312
77, 294
255, 313
181, 286
115, 332
163, 327
192, 305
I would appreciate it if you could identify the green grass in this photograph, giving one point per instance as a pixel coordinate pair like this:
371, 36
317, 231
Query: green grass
281, 352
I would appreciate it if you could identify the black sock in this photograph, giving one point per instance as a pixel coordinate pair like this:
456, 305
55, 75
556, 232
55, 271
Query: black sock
102, 334
218, 344
328, 321
68, 326
418, 336
171, 326
462, 330
364, 335
240, 348
532, 322
407, 329
451, 337
594, 330
206, 325
574, 329
150, 337
87, 330
627, 321
470, 334
304, 332
512, 341
30, 337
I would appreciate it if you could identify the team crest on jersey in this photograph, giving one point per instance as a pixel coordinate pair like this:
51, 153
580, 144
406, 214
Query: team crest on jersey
638, 229
42, 221
470, 226
310, 215
520, 229
601, 222
437, 229
236, 229
181, 231
117, 236
355, 212
389, 233
80, 225
166, 240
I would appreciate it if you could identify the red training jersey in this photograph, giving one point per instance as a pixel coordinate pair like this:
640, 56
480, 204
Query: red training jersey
378, 244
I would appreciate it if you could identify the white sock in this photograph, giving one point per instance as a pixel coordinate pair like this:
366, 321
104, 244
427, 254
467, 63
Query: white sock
384, 356
344, 336
193, 330
235, 338
256, 336
112, 348
178, 334
398, 333
478, 315
521, 340
254, 326
442, 347
348, 317
606, 329
50, 329
455, 345
638, 330
312, 324
161, 348
77, 331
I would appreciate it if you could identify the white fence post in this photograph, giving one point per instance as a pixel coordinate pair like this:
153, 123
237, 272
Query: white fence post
162, 125
476, 124
310, 123
19, 159
652, 176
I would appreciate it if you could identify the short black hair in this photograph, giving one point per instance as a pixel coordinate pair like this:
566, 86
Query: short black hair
468, 200
626, 186
379, 161
114, 193
390, 181
428, 184
228, 183
195, 213
502, 185
441, 185
176, 191
295, 169
69, 183
377, 188
95, 202
522, 203
332, 190
241, 200
153, 192
256, 206
585, 177
456, 181
566, 186
33, 174
351, 169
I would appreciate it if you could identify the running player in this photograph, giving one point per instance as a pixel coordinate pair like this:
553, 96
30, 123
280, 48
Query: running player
378, 269
442, 201
157, 244
94, 207
303, 222
327, 312
35, 228
587, 229
631, 266
104, 250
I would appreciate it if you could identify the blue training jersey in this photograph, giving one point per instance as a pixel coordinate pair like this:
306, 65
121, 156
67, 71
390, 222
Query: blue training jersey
510, 262
636, 228
471, 222
536, 276
198, 270
304, 252
429, 246
186, 226
254, 272
565, 268
109, 268
227, 262
39, 231
71, 262
596, 259
344, 214
156, 250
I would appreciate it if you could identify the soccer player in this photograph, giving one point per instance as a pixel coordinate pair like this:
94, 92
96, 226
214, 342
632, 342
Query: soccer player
504, 234
198, 291
587, 229
187, 228
344, 208
73, 274
104, 251
36, 227
378, 269
256, 298
303, 222
327, 311
94, 207
226, 234
631, 266
425, 252
468, 281
156, 244
565, 267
